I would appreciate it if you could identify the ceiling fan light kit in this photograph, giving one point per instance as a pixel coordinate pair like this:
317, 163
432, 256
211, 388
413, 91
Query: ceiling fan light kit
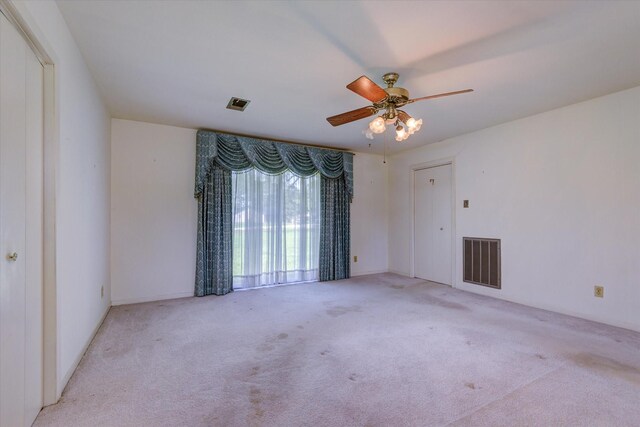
387, 100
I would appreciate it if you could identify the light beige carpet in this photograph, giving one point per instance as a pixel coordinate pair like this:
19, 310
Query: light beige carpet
381, 350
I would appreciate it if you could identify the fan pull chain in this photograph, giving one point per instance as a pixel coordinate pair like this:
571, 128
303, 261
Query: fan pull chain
384, 157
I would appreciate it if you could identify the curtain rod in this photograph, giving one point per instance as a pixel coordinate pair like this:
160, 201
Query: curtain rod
278, 140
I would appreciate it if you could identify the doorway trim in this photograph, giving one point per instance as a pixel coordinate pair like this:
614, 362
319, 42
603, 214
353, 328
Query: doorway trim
19, 17
428, 165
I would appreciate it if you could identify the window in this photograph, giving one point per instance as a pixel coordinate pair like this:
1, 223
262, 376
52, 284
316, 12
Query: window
276, 228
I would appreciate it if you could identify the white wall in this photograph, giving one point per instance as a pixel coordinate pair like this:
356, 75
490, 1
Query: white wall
561, 191
369, 215
154, 213
82, 189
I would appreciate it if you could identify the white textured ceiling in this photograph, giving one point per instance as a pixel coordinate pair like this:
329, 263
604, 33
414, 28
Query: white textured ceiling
179, 62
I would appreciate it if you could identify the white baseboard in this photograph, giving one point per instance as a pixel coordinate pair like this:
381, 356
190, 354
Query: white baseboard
495, 293
151, 298
366, 273
76, 362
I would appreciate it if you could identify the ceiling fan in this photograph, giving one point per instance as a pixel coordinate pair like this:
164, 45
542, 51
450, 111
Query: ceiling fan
388, 100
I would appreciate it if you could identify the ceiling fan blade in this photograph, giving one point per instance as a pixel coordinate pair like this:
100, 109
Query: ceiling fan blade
440, 95
351, 116
366, 88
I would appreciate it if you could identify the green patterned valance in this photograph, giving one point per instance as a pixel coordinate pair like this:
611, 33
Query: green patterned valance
238, 153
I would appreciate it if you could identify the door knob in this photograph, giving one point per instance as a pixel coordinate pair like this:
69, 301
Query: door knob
13, 256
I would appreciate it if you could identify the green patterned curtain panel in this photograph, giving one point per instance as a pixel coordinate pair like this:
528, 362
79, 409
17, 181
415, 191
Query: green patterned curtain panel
335, 230
214, 259
217, 154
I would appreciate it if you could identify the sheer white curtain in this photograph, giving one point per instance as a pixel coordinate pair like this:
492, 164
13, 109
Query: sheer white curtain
276, 228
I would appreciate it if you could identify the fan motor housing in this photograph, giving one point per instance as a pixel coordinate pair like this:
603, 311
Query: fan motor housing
398, 92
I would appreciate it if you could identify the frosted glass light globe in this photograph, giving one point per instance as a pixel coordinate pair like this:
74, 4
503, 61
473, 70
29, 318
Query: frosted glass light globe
377, 125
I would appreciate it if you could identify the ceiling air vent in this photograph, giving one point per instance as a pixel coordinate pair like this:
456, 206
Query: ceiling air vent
238, 104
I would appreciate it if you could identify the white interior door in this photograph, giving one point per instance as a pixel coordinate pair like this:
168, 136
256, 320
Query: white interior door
21, 210
432, 224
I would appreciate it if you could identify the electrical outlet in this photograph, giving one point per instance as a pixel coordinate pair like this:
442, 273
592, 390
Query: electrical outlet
102, 291
465, 203
598, 291
355, 258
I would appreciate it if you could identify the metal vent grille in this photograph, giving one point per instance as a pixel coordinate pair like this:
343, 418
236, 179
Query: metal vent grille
238, 104
481, 261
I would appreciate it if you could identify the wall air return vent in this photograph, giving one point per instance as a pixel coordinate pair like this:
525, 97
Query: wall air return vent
238, 104
481, 261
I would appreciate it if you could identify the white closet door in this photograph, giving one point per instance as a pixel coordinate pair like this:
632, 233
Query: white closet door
432, 224
20, 229
34, 237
